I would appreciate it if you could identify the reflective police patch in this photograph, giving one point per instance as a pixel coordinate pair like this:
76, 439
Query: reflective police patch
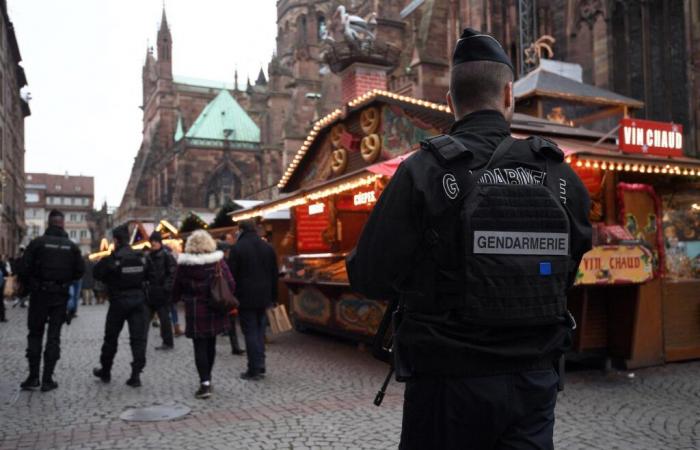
521, 243
133, 269
449, 183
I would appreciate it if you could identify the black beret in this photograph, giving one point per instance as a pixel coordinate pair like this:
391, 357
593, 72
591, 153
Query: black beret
476, 46
121, 234
55, 213
156, 237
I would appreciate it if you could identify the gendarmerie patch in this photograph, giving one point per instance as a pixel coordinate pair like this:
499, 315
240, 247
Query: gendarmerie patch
520, 243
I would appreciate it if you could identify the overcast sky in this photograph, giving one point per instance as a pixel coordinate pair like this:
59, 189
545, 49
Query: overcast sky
83, 60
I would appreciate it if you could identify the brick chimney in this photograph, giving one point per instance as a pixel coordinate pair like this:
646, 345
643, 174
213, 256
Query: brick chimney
359, 78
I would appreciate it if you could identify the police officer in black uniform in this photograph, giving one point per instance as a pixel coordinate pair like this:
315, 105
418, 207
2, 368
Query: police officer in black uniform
47, 268
479, 236
125, 273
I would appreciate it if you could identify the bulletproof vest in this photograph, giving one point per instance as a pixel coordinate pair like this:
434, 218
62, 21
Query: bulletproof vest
55, 260
130, 270
515, 242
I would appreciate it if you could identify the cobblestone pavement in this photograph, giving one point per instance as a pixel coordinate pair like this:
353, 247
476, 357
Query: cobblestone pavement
317, 394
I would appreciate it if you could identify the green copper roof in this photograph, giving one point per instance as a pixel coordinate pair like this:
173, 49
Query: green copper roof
223, 119
179, 132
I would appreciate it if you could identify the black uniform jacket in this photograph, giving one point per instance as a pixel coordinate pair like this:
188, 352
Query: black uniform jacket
253, 264
108, 271
160, 285
393, 260
50, 263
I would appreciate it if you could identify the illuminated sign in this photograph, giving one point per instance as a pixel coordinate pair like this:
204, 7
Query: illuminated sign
613, 264
316, 208
649, 137
364, 198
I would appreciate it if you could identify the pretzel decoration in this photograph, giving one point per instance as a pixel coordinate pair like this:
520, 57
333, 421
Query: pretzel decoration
337, 134
339, 161
371, 147
369, 120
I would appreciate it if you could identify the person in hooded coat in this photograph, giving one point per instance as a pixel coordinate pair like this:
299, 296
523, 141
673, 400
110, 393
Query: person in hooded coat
196, 269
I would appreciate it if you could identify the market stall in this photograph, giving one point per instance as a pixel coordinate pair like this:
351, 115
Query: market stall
645, 309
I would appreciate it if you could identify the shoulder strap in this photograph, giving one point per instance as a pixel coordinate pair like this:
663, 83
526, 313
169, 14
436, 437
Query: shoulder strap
467, 180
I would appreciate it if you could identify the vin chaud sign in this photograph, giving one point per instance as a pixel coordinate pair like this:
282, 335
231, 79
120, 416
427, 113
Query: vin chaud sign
651, 138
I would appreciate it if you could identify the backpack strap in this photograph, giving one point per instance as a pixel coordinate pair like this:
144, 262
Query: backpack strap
446, 148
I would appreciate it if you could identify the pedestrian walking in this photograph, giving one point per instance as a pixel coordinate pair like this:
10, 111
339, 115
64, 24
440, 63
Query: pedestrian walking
480, 261
195, 275
48, 266
254, 266
124, 272
160, 287
87, 294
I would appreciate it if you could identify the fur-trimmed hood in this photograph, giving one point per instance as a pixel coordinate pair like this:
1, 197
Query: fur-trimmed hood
200, 259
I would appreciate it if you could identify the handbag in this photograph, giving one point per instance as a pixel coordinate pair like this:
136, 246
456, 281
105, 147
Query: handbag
221, 298
279, 320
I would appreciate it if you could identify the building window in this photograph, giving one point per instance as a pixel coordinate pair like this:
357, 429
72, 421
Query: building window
58, 187
31, 197
73, 234
78, 188
83, 234
73, 217
66, 200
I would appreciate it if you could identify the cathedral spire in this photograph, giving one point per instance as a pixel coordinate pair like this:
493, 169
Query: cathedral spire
261, 78
164, 21
164, 39
165, 49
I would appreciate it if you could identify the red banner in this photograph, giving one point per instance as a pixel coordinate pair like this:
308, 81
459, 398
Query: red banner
651, 138
312, 221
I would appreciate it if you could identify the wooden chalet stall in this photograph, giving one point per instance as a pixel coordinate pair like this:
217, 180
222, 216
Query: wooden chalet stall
639, 302
636, 300
330, 189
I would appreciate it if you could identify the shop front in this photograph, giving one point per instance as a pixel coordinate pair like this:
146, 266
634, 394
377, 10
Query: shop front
637, 298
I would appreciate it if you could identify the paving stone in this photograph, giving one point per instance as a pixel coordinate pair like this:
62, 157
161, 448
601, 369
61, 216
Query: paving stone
317, 395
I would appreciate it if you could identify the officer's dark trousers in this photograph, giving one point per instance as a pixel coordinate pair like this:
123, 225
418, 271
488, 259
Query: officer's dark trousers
136, 314
166, 327
43, 310
502, 412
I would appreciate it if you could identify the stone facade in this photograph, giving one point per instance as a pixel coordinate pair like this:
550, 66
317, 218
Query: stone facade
647, 50
13, 110
73, 195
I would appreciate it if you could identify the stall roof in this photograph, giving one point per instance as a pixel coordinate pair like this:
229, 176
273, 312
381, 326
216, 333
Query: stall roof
439, 114
280, 214
543, 83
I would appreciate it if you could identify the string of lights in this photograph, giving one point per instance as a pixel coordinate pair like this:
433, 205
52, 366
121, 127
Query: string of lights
312, 196
338, 113
610, 165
